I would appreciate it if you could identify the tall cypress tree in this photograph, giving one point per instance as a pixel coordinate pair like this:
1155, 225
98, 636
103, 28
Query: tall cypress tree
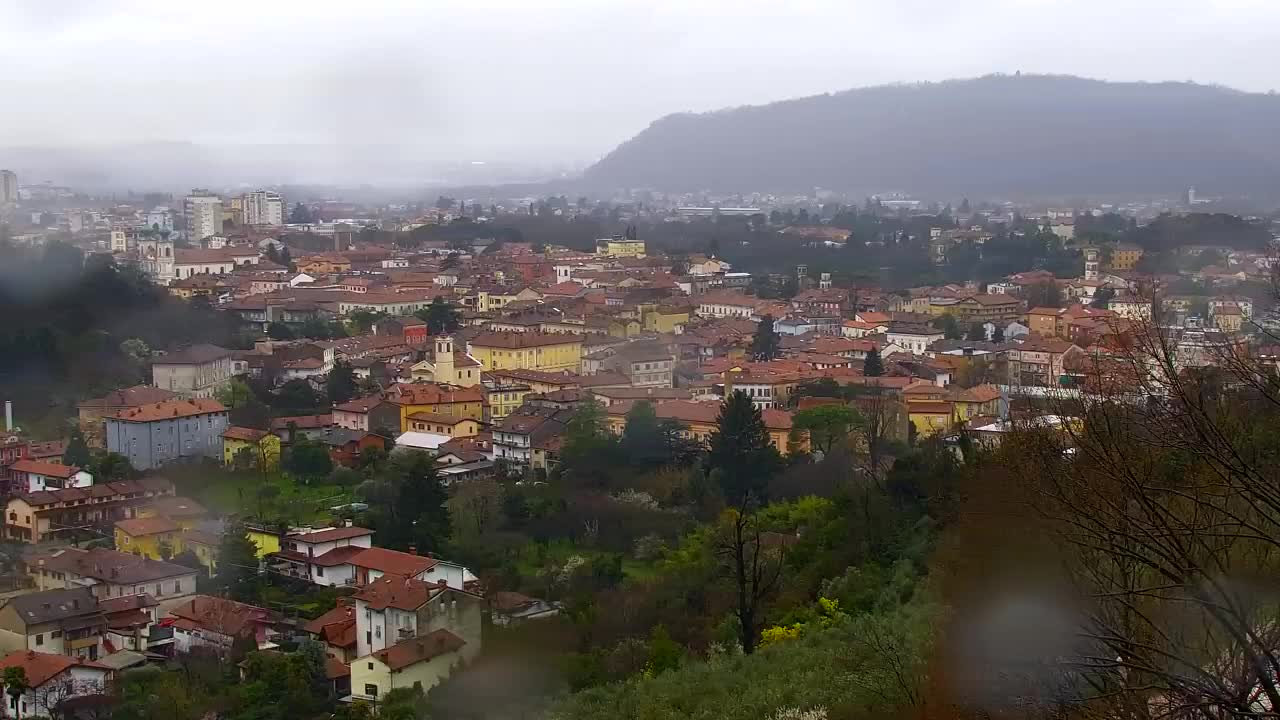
873, 366
766, 343
741, 450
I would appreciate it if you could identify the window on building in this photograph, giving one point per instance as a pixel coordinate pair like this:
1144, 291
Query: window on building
40, 639
370, 690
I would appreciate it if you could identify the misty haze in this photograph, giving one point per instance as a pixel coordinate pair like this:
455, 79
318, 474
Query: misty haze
651, 361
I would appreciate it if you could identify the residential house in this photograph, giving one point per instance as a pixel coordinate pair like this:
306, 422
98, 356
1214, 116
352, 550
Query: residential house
1039, 361
980, 400
392, 609
153, 435
346, 446
112, 574
292, 427
129, 621
419, 662
198, 371
93, 411
412, 330
321, 556
699, 420
1125, 257
51, 681
527, 351
29, 475
516, 438
157, 538
931, 417
451, 425
62, 622
369, 413
1131, 307
375, 562
414, 398
1241, 303
261, 449
216, 623
913, 338
448, 366
52, 514
644, 363
511, 608
336, 630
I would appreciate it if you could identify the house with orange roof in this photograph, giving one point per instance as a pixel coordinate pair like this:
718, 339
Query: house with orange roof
250, 448
31, 475
51, 680
699, 420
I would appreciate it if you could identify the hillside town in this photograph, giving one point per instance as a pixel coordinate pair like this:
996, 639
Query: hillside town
215, 508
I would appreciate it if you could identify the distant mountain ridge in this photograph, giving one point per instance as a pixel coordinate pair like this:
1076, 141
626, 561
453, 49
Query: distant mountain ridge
998, 135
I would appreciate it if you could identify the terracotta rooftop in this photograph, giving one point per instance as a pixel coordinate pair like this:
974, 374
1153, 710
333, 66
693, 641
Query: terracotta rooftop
177, 507
42, 467
402, 593
220, 615
40, 668
130, 397
235, 432
392, 562
170, 410
520, 340
416, 650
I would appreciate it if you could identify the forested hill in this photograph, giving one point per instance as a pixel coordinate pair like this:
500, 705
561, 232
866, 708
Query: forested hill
996, 135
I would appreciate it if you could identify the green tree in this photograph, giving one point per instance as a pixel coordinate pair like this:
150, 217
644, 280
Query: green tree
296, 395
279, 331
765, 344
15, 686
948, 325
77, 450
1102, 298
589, 454
300, 215
234, 394
642, 438
1045, 294
363, 320
237, 564
441, 317
408, 502
341, 383
316, 329
108, 466
976, 332
872, 365
827, 425
664, 653
307, 459
742, 451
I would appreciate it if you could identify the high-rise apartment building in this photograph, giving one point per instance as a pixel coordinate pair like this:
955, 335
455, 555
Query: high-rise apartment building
8, 187
204, 214
263, 207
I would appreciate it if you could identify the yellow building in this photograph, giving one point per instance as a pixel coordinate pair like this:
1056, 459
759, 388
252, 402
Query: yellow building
267, 540
450, 425
496, 299
264, 446
1125, 257
620, 247
975, 401
699, 420
155, 537
448, 400
423, 662
931, 417
664, 318
502, 400
527, 351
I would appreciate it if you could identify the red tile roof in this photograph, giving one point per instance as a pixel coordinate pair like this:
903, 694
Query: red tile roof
41, 467
170, 410
137, 527
392, 562
416, 650
520, 340
219, 615
402, 593
236, 432
40, 668
337, 556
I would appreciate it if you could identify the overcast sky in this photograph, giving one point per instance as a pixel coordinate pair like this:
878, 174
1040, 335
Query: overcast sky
555, 81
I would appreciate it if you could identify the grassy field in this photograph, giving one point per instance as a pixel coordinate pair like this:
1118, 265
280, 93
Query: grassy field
227, 492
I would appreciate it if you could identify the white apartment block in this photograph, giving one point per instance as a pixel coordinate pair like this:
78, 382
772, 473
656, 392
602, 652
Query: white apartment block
204, 214
263, 207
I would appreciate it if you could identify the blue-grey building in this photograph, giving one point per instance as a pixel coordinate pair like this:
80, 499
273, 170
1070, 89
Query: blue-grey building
159, 433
